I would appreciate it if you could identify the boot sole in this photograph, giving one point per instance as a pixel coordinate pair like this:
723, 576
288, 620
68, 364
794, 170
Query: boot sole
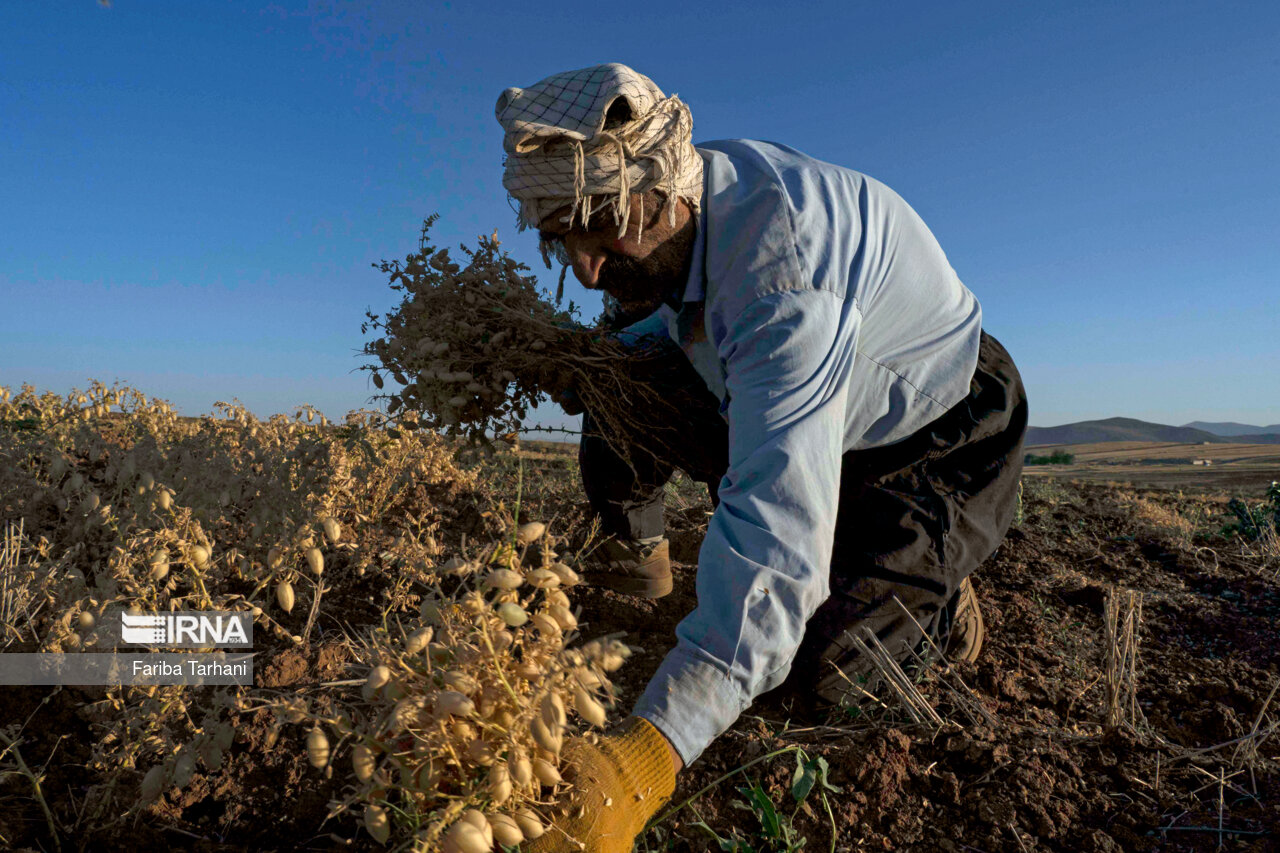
631, 585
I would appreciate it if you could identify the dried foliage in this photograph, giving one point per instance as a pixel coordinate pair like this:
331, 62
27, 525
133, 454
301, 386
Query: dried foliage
1160, 518
462, 692
473, 348
455, 731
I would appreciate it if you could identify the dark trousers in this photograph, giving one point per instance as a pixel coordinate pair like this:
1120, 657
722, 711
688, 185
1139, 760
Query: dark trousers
915, 518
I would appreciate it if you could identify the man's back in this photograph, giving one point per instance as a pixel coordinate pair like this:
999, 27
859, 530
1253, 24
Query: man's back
780, 222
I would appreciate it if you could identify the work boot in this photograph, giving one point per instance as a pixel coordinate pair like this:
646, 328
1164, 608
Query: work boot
967, 630
631, 567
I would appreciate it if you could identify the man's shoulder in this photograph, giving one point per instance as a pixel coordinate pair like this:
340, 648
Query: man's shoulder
751, 172
761, 201
770, 159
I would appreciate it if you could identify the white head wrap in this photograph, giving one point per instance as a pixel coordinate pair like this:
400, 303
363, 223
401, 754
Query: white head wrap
559, 153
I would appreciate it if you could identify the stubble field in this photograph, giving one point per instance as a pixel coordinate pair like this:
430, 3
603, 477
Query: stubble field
1124, 700
1238, 469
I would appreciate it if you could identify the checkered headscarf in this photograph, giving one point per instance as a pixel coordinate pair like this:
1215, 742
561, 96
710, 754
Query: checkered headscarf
559, 152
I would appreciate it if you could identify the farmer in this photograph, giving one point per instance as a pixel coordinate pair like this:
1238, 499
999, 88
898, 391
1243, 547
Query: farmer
859, 432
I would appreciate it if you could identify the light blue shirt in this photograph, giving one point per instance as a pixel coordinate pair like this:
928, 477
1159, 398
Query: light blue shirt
825, 316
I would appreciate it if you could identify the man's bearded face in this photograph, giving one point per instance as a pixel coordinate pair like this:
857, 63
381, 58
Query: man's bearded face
640, 269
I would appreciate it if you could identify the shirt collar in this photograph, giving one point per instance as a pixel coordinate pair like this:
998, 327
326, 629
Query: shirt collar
695, 286
695, 289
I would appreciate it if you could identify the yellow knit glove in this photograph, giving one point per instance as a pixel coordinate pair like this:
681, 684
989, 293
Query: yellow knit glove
621, 781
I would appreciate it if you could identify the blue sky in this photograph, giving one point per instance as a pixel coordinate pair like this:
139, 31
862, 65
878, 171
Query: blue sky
194, 192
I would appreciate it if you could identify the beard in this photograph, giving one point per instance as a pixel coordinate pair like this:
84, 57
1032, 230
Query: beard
642, 284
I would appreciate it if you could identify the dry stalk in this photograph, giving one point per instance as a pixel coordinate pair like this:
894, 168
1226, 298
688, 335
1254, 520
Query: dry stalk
9, 554
1184, 754
1123, 619
1218, 781
1222, 784
888, 670
1022, 845
960, 692
315, 609
855, 688
16, 595
11, 746
1246, 752
1268, 549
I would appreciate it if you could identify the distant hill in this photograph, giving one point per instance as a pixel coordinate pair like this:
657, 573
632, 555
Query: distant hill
1263, 438
1118, 429
1131, 429
1232, 429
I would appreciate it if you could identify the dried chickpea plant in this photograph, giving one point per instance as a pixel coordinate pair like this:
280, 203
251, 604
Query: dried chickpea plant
467, 678
451, 737
473, 348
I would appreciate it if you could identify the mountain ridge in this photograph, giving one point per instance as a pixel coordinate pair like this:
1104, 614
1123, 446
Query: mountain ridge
1232, 428
1132, 429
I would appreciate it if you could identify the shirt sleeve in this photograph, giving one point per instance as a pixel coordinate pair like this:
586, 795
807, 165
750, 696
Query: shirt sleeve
764, 564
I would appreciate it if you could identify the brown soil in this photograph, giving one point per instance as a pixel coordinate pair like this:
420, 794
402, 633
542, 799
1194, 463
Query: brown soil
1044, 775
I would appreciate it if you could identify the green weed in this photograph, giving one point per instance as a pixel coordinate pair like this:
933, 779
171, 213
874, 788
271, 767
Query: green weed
1256, 521
777, 832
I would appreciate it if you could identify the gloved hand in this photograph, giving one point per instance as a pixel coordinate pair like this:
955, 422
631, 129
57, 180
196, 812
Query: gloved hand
619, 783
